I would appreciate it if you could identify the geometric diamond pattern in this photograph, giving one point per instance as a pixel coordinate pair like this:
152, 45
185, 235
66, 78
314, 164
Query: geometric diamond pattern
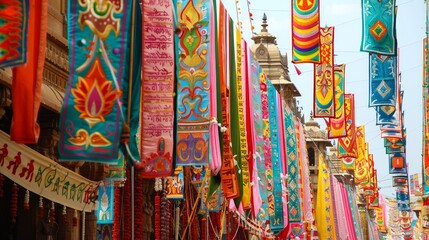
383, 89
378, 30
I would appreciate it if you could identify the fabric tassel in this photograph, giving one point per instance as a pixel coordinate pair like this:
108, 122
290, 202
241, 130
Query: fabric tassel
138, 206
75, 219
65, 221
14, 202
52, 213
27, 200
40, 209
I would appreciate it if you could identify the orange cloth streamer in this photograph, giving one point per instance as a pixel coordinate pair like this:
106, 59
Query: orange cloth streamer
27, 79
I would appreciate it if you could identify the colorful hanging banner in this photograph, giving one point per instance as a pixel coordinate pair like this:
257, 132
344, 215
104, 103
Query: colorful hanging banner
192, 60
174, 185
355, 212
347, 146
292, 167
378, 27
324, 207
324, 99
27, 79
305, 31
14, 17
92, 117
361, 171
267, 145
425, 118
45, 177
157, 100
394, 145
228, 172
382, 80
258, 118
244, 128
105, 203
337, 125
276, 221
307, 196
397, 163
235, 104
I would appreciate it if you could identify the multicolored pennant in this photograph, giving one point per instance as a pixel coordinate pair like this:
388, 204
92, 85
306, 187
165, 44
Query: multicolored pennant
382, 80
14, 17
26, 79
324, 84
92, 117
157, 100
305, 31
337, 125
361, 172
378, 27
193, 66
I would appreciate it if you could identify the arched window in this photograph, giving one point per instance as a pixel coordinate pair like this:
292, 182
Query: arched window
311, 157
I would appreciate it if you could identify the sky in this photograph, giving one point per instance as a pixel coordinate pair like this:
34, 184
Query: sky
345, 16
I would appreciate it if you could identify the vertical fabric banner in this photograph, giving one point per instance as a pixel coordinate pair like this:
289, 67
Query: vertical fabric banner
305, 31
324, 84
292, 167
324, 208
235, 113
157, 104
347, 146
193, 65
361, 162
382, 80
258, 116
378, 27
243, 104
27, 79
14, 17
307, 196
174, 185
228, 172
337, 125
105, 203
283, 158
268, 152
425, 118
92, 116
276, 222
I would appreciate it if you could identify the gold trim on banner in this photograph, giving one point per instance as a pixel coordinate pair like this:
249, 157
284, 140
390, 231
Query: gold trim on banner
45, 177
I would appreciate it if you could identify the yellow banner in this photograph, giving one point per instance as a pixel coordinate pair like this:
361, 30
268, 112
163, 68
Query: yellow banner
45, 177
324, 210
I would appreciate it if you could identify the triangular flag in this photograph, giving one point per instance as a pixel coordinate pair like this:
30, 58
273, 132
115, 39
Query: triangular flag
297, 70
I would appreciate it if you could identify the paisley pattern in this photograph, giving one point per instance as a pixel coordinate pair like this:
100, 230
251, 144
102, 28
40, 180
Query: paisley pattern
347, 147
337, 125
92, 116
193, 60
324, 84
378, 27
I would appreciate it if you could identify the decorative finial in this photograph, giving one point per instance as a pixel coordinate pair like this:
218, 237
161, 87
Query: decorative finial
264, 23
311, 116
